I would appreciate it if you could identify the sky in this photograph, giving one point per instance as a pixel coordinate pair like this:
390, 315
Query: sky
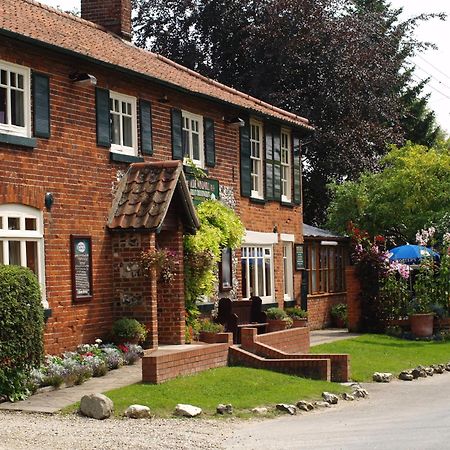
431, 63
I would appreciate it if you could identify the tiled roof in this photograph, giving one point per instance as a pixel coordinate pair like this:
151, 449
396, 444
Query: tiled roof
310, 231
144, 195
38, 22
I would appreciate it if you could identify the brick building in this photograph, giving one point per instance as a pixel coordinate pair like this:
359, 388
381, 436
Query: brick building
93, 136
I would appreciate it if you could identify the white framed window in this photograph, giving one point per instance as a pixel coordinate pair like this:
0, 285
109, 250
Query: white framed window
257, 272
22, 239
15, 110
288, 276
256, 158
122, 109
286, 165
193, 138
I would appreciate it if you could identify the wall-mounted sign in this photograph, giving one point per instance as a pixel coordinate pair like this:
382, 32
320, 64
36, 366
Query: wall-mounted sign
81, 253
202, 189
299, 257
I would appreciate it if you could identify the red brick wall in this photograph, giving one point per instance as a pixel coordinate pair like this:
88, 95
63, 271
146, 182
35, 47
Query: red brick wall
81, 176
319, 307
353, 299
165, 365
293, 340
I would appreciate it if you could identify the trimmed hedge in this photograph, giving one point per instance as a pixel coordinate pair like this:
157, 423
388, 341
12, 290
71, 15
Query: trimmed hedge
21, 329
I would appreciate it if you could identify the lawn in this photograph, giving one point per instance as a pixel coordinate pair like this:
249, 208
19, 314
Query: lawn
379, 353
244, 388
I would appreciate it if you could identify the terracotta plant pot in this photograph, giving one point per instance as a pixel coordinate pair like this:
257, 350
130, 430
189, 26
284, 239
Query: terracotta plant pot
207, 337
299, 323
276, 325
421, 324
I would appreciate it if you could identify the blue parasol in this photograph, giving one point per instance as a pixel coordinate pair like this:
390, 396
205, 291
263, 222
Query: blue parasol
411, 254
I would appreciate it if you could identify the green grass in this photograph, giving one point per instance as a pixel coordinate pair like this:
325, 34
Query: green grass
379, 353
244, 388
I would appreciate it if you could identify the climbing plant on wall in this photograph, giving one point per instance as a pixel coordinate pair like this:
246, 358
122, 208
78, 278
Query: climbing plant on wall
220, 228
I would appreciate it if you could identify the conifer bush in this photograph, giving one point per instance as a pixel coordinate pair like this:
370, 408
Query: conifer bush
21, 329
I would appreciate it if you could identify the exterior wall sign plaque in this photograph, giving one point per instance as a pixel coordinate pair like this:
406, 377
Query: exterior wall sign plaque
202, 189
81, 256
299, 257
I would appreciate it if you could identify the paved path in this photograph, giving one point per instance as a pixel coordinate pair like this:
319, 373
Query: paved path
399, 415
54, 400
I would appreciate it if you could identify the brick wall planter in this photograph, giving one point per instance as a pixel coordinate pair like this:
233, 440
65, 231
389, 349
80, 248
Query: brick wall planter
276, 325
209, 337
299, 323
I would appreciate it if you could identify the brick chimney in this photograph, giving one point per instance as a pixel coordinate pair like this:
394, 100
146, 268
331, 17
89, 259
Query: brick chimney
115, 15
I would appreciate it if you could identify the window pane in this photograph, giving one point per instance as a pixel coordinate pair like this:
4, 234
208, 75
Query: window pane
3, 118
30, 224
268, 264
244, 279
1, 222
115, 129
17, 108
2, 261
226, 268
127, 133
186, 143
252, 268
260, 267
32, 256
13, 223
20, 81
195, 147
12, 79
14, 253
3, 77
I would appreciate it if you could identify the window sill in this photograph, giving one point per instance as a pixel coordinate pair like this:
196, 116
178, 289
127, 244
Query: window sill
287, 204
289, 303
21, 141
190, 170
120, 157
257, 200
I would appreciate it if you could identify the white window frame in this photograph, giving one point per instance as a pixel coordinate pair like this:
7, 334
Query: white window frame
286, 166
120, 148
288, 272
15, 130
186, 115
22, 212
268, 298
256, 176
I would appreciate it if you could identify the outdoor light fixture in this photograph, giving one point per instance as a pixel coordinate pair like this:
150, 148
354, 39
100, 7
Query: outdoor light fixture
235, 122
83, 78
163, 99
331, 243
49, 200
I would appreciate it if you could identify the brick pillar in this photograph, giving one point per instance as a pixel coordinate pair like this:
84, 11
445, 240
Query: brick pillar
353, 299
171, 307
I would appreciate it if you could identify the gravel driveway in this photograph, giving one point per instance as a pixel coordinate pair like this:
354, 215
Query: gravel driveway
36, 431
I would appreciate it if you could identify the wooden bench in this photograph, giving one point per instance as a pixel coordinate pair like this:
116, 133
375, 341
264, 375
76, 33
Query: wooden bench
234, 315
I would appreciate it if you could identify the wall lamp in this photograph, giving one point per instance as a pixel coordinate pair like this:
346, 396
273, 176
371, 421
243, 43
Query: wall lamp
234, 122
163, 99
49, 199
83, 78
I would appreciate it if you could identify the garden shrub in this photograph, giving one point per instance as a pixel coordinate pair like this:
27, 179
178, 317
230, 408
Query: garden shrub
21, 329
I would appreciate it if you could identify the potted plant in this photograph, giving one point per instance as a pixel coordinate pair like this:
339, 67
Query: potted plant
208, 331
277, 319
128, 330
339, 315
299, 316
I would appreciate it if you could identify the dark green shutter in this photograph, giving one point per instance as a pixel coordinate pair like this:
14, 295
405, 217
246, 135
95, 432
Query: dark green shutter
103, 117
145, 119
297, 171
210, 151
41, 105
246, 181
277, 163
269, 162
177, 134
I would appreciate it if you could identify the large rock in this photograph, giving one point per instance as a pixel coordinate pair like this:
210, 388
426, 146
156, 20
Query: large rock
438, 368
97, 406
224, 409
330, 398
284, 407
187, 410
419, 372
305, 406
348, 397
138, 412
360, 393
321, 404
429, 371
382, 377
406, 375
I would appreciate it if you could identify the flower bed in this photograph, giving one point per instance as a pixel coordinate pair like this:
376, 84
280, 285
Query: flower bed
89, 360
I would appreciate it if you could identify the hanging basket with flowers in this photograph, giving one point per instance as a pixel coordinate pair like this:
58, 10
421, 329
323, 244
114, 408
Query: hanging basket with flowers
164, 261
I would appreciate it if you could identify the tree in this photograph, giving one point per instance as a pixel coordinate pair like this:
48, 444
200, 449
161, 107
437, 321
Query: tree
339, 63
409, 193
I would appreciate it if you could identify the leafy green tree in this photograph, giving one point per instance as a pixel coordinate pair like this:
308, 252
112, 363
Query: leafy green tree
410, 192
341, 64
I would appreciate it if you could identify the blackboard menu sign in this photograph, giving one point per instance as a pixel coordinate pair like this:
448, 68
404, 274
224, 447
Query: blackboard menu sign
299, 257
81, 251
